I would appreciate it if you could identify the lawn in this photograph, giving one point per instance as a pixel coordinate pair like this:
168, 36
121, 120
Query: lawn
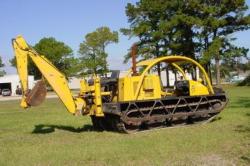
49, 135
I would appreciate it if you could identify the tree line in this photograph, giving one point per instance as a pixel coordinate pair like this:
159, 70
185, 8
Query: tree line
200, 29
2, 72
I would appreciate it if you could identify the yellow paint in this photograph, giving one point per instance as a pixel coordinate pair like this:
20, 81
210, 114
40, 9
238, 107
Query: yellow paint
54, 77
128, 85
98, 97
21, 58
197, 89
23, 103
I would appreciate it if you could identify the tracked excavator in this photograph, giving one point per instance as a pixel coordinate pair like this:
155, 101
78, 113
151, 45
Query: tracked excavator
135, 102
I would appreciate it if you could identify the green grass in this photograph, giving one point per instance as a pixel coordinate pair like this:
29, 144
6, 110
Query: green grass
49, 135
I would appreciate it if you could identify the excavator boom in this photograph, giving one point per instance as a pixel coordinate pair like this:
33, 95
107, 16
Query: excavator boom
55, 78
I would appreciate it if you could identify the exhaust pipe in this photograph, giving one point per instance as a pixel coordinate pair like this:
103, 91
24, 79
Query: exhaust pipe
133, 56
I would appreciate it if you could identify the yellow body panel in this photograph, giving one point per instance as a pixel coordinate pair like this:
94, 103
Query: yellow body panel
151, 88
197, 89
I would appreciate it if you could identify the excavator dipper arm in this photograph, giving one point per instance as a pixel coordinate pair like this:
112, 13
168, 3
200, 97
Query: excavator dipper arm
54, 77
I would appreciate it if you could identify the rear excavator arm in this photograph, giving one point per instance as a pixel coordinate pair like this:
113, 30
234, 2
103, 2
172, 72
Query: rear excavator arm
55, 78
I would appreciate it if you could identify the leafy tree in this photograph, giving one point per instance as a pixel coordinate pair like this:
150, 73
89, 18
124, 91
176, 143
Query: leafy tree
195, 28
92, 51
219, 19
163, 28
60, 55
2, 72
245, 82
1, 62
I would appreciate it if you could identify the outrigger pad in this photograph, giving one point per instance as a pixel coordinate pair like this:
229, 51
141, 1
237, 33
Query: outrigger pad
37, 95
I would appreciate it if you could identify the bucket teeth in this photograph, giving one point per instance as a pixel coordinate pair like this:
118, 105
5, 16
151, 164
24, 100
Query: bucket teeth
37, 95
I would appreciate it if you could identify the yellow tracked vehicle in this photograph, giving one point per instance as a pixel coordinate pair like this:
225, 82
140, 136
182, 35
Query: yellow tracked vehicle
135, 102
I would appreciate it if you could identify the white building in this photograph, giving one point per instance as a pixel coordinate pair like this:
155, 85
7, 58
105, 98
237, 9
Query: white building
11, 82
74, 83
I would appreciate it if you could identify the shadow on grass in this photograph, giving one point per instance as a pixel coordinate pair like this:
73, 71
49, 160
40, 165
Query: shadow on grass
243, 129
241, 102
247, 159
46, 129
215, 119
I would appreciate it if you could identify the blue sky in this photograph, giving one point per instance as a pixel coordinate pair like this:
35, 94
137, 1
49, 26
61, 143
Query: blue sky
69, 21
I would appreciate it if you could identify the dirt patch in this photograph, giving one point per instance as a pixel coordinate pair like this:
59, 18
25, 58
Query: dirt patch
208, 160
214, 160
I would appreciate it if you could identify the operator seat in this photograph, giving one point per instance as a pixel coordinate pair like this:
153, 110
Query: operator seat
182, 88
